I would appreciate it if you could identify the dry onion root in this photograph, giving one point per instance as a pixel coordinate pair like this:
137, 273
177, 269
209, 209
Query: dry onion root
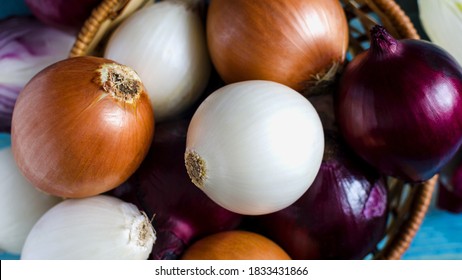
98, 227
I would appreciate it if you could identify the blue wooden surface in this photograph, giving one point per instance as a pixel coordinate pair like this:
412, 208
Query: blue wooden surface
440, 236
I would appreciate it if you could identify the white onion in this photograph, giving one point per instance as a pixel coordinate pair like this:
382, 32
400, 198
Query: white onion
442, 21
21, 204
254, 147
165, 44
98, 227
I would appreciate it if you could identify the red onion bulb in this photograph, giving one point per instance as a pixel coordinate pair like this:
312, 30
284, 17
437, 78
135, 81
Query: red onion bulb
400, 106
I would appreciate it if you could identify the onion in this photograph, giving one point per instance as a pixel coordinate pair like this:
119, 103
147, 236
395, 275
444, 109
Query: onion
400, 106
293, 42
235, 245
65, 14
81, 127
26, 47
165, 44
254, 147
99, 227
449, 193
343, 214
441, 20
161, 187
21, 205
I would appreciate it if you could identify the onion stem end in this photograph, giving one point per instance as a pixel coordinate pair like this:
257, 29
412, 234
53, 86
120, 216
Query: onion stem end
120, 81
196, 168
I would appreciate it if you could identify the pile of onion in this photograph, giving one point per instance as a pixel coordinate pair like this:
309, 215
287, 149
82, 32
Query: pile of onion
294, 42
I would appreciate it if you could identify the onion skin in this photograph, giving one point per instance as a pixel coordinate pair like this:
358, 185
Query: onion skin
343, 214
63, 14
271, 40
70, 138
400, 106
161, 187
235, 245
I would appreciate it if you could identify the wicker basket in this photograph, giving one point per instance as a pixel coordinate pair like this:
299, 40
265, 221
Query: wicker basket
408, 203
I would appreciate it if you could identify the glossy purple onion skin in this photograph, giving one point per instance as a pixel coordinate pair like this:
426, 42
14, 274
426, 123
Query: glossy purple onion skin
400, 106
64, 14
161, 187
343, 214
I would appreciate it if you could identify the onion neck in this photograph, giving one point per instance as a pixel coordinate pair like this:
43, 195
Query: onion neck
121, 82
382, 43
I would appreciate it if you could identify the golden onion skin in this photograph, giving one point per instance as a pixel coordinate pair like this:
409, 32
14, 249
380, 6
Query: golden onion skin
293, 42
73, 138
235, 245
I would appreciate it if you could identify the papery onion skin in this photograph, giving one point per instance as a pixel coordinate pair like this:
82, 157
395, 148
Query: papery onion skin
93, 228
343, 214
291, 42
161, 187
26, 47
254, 147
400, 106
235, 245
71, 138
64, 14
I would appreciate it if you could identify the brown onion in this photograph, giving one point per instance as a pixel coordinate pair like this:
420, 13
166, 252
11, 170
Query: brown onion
81, 127
293, 42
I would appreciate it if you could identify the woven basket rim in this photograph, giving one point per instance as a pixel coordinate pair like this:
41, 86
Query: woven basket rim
393, 18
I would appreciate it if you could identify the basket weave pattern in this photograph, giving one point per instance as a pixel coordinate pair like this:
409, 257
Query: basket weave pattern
408, 203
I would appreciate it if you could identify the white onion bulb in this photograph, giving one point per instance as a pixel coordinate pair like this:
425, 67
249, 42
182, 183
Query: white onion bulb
21, 204
99, 227
254, 147
442, 21
165, 44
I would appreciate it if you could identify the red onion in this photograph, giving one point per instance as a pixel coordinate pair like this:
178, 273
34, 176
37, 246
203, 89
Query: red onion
343, 214
62, 13
400, 106
181, 212
449, 193
26, 47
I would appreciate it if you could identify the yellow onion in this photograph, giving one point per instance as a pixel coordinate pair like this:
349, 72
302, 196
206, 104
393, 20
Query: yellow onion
81, 127
294, 42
